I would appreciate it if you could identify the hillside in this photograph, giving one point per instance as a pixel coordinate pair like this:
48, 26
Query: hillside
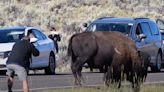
68, 15
44, 13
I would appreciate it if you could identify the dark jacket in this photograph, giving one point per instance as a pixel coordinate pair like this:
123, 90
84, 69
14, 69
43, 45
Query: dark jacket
21, 53
55, 37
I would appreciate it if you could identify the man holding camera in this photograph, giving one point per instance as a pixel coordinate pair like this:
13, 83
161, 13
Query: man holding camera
19, 61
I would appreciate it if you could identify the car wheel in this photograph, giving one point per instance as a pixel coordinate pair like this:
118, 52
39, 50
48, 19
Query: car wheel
157, 67
52, 65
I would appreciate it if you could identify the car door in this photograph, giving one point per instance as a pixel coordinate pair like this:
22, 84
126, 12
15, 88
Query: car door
143, 44
148, 44
137, 31
160, 24
42, 46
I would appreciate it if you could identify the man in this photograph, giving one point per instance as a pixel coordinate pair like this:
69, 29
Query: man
55, 36
18, 62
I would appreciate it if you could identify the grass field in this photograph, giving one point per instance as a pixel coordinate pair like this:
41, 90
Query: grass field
150, 88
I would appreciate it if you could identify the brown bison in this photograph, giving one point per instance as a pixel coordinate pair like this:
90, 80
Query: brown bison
112, 50
134, 74
145, 60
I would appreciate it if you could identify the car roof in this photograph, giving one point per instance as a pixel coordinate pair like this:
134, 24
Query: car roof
21, 28
18, 28
13, 28
25, 29
113, 19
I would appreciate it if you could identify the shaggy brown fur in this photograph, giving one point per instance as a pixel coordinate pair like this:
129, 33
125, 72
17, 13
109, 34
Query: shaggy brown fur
111, 50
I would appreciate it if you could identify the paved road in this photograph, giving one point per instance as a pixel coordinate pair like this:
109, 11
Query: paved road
61, 80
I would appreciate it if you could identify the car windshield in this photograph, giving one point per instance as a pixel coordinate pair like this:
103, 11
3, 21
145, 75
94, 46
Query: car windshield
121, 27
7, 36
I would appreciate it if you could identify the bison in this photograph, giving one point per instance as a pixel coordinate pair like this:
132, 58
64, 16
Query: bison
145, 60
104, 49
131, 73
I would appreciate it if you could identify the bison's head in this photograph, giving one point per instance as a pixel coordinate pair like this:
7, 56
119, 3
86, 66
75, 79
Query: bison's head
145, 60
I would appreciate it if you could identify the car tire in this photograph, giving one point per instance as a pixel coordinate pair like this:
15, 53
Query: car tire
157, 67
50, 70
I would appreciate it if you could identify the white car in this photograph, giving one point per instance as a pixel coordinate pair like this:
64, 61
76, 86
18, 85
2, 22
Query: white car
46, 59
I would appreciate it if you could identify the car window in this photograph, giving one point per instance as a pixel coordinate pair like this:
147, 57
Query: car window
154, 28
138, 29
43, 35
39, 35
10, 35
121, 27
146, 28
89, 27
102, 27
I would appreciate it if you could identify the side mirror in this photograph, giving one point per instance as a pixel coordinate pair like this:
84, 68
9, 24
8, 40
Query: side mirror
85, 25
142, 36
33, 40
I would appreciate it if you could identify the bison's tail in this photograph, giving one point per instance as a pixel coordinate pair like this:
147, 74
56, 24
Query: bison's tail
69, 51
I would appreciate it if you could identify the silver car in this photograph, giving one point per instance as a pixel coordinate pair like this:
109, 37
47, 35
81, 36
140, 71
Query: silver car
143, 31
46, 59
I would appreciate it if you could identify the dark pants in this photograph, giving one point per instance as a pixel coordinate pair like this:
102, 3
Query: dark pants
56, 45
